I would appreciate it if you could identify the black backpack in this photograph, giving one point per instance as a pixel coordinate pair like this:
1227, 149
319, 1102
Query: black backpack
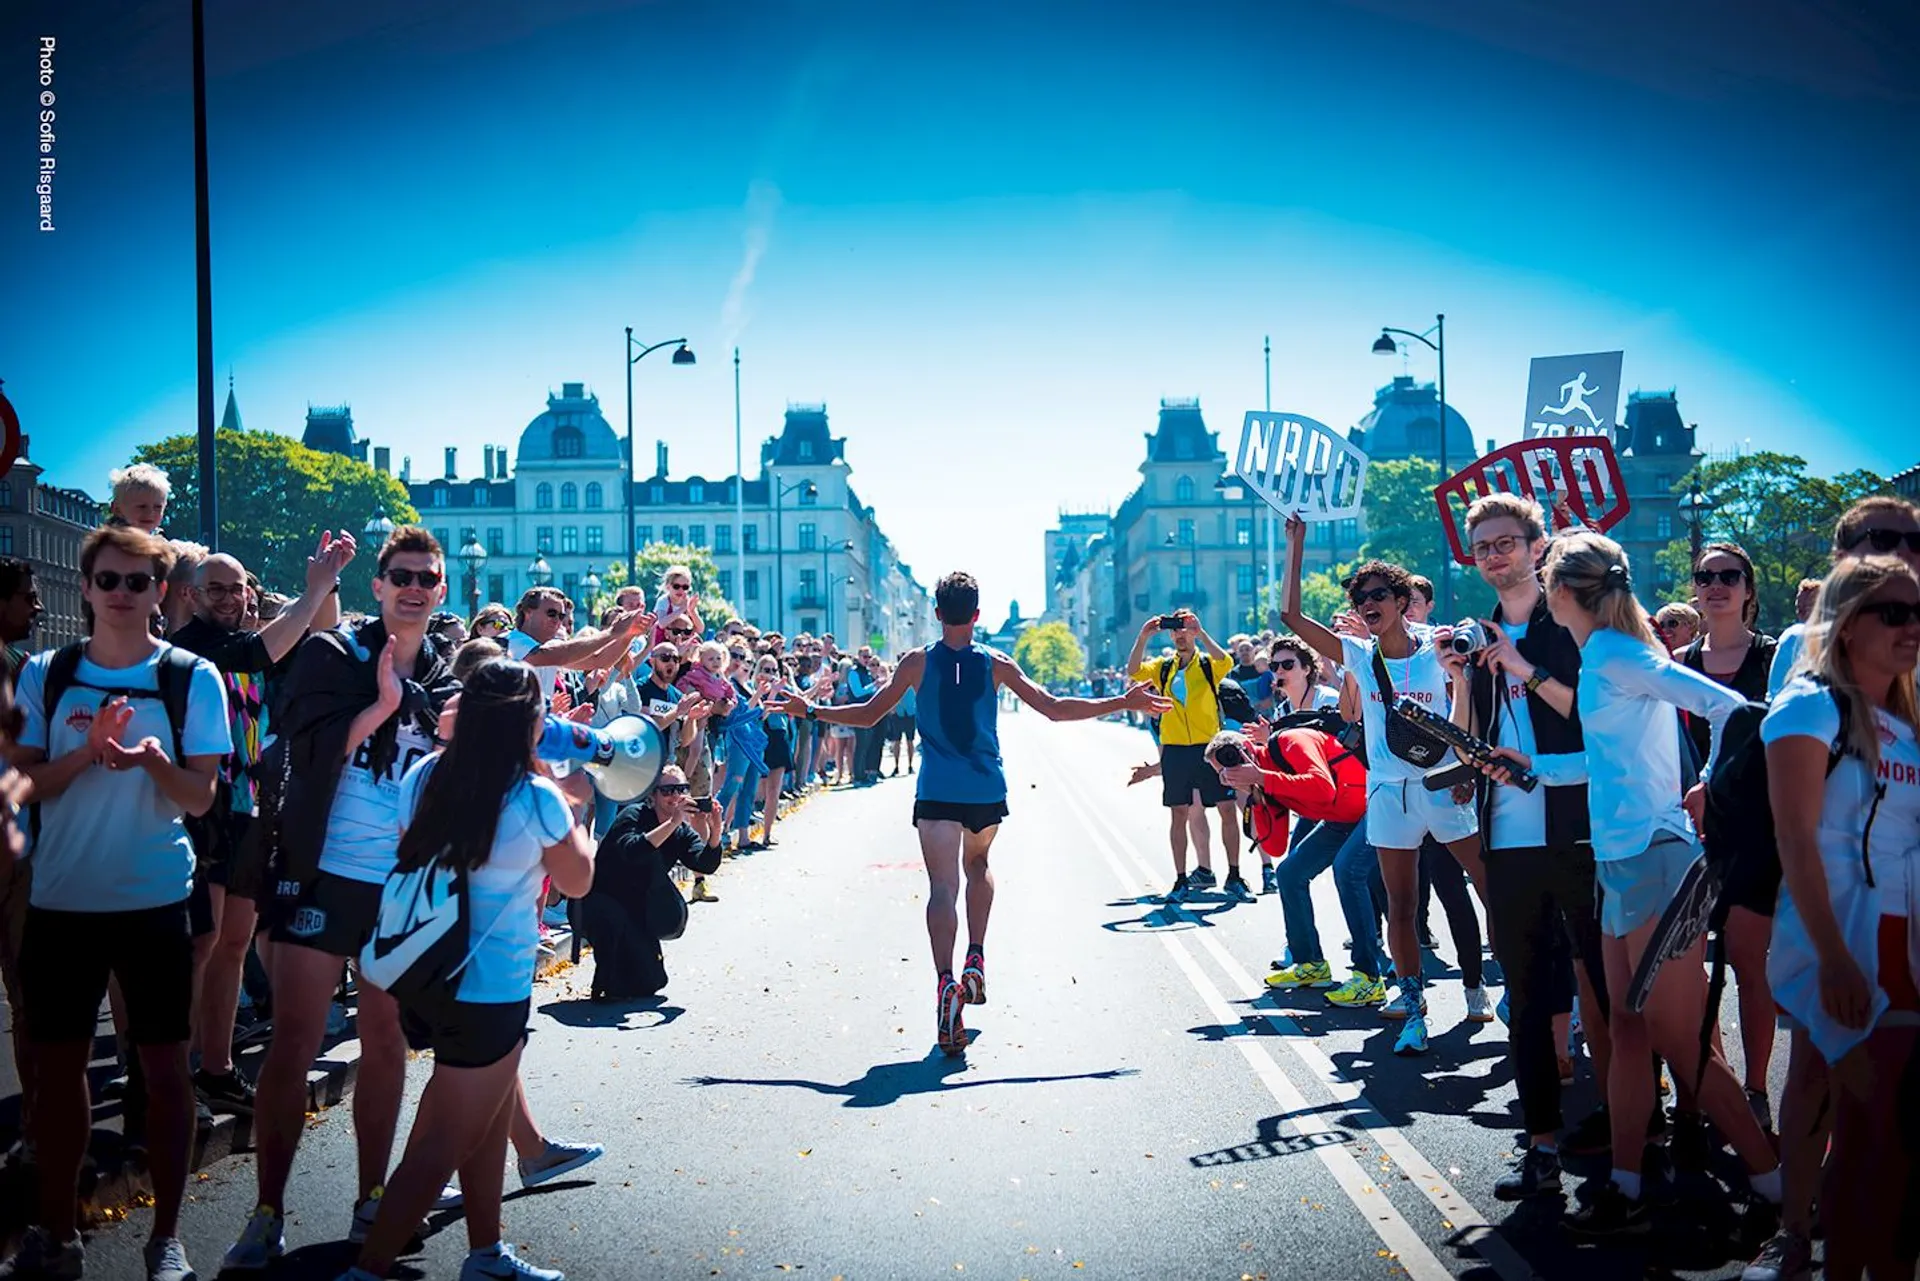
1738, 816
174, 678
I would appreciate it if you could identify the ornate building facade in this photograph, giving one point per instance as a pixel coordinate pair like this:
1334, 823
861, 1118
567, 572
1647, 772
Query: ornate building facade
45, 524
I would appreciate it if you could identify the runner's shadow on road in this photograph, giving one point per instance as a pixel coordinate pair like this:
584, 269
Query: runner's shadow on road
885, 1084
631, 1016
1433, 1084
1163, 916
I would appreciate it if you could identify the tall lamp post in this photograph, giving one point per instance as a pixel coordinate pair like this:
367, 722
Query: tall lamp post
1436, 339
591, 586
1696, 505
473, 557
739, 494
1234, 490
682, 355
378, 528
203, 286
780, 493
540, 573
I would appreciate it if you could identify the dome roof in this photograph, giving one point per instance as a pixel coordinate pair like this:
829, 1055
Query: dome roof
1402, 425
571, 429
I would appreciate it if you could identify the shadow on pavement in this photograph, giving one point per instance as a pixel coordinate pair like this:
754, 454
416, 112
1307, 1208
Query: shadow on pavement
887, 1083
1269, 1142
1163, 916
653, 1011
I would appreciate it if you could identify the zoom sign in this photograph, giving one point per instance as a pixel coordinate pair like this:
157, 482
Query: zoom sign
1301, 467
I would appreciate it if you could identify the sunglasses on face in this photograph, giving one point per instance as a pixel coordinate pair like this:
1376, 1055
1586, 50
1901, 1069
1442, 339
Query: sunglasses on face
679, 631
555, 614
108, 580
665, 656
1887, 540
428, 578
1286, 664
1893, 613
1502, 546
679, 587
673, 789
736, 656
1371, 596
1726, 577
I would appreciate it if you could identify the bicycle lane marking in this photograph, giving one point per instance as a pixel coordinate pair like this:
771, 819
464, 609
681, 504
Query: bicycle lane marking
1470, 1228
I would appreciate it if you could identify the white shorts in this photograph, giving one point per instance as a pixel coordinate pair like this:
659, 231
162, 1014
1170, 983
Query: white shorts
1401, 815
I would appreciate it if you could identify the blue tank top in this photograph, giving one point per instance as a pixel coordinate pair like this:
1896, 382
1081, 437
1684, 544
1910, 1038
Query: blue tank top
958, 719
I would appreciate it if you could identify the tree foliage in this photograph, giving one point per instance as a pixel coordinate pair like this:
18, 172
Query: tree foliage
276, 496
1050, 654
654, 558
1768, 504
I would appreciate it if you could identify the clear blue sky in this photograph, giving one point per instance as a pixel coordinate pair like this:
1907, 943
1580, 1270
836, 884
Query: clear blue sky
989, 239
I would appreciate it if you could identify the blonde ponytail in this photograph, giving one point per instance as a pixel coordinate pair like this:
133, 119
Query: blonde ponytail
1595, 571
1849, 586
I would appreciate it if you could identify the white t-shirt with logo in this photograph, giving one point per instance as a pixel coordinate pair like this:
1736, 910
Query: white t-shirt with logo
363, 828
1418, 676
112, 842
503, 892
1519, 818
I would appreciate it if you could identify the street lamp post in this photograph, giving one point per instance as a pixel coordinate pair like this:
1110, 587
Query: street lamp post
591, 586
474, 557
1384, 345
540, 573
378, 527
1696, 506
203, 286
780, 493
683, 355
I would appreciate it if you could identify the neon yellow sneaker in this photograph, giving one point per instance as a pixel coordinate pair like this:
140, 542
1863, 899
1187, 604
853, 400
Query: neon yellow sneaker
1305, 974
1360, 989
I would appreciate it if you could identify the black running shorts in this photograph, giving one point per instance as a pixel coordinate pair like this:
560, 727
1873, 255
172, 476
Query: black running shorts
465, 1034
974, 816
1184, 771
332, 914
66, 958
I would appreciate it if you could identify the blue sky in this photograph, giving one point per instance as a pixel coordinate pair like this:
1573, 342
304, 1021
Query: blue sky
990, 239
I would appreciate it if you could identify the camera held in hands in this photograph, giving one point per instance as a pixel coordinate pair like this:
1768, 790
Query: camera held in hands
1170, 622
1227, 750
1468, 638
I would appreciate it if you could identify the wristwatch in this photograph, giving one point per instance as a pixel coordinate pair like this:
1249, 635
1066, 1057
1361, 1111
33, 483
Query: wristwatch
1535, 681
813, 713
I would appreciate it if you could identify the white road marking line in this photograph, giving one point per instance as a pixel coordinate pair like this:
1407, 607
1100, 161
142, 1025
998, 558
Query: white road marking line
1471, 1227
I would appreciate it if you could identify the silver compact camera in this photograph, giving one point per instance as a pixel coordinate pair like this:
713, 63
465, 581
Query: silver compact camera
1468, 638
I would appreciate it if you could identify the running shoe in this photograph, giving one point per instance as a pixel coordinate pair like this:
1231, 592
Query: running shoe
1413, 1037
1359, 989
1608, 1212
1305, 974
1411, 1001
1182, 887
1479, 1008
1270, 879
973, 980
501, 1264
701, 894
1535, 1173
450, 1198
167, 1260
1787, 1256
1237, 888
556, 1160
263, 1240
952, 1034
1201, 878
224, 1092
1592, 1136
40, 1259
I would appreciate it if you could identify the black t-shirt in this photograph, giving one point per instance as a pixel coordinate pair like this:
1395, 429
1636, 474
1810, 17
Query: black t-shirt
657, 699
1750, 682
231, 649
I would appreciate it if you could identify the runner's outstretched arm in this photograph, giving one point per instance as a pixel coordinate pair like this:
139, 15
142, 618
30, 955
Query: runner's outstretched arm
870, 713
1140, 696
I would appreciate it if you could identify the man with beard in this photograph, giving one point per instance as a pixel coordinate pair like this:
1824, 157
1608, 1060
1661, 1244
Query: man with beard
217, 632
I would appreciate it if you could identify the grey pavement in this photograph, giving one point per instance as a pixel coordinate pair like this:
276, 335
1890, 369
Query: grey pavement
1134, 1104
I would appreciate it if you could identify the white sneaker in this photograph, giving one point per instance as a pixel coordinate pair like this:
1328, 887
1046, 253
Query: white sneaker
451, 1197
262, 1241
1409, 1002
502, 1263
363, 1216
41, 1259
558, 1159
167, 1261
1479, 1007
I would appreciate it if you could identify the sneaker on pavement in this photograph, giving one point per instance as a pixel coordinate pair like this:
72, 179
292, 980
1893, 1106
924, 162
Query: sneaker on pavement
1787, 1256
263, 1240
1201, 878
167, 1261
39, 1258
502, 1263
1410, 1001
1181, 888
1536, 1172
1359, 989
1479, 1008
701, 894
1305, 974
973, 980
558, 1159
1413, 1037
1609, 1213
1762, 1109
950, 1036
227, 1091
1592, 1136
450, 1198
1238, 889
1270, 879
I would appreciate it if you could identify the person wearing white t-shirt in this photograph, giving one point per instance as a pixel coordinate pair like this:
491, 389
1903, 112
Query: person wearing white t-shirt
1401, 813
1845, 792
538, 639
115, 777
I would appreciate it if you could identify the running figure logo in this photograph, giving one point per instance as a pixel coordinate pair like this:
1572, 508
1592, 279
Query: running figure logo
1573, 395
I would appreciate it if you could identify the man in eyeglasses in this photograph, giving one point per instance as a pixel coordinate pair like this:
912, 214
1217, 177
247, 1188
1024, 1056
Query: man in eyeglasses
1877, 526
116, 767
227, 890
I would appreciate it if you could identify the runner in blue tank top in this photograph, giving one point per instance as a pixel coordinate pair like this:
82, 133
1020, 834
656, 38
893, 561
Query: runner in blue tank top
962, 794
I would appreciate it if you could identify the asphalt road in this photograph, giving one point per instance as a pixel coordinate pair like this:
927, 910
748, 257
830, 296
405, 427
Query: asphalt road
1135, 1104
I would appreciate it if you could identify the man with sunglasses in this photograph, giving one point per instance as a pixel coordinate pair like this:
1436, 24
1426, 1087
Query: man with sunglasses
542, 622
217, 633
1877, 526
115, 777
362, 706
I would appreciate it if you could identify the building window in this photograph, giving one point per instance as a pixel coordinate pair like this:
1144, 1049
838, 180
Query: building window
1664, 483
1243, 533
696, 535
496, 587
809, 584
441, 498
1186, 579
656, 494
810, 497
1185, 535
809, 536
1350, 531
806, 451
6, 539
440, 536
568, 443
543, 539
750, 538
1183, 490
6, 495
723, 538
696, 492
753, 584
642, 535
570, 540
569, 496
570, 584
496, 542
1663, 526
543, 497
595, 496
670, 534
1659, 438
482, 496
808, 623
726, 584
596, 538
1244, 575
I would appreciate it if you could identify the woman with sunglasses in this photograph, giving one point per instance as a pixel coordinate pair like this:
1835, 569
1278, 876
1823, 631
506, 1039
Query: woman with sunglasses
1729, 651
770, 686
1843, 956
1879, 526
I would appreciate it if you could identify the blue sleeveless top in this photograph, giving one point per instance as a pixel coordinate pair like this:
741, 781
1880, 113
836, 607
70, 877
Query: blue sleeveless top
958, 720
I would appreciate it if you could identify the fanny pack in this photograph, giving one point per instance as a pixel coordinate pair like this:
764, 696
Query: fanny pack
1405, 740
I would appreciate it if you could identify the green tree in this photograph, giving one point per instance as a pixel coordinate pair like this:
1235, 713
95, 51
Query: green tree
276, 496
1768, 504
1050, 654
715, 609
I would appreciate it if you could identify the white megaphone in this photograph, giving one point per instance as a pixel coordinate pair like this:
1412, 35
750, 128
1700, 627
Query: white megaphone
624, 757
